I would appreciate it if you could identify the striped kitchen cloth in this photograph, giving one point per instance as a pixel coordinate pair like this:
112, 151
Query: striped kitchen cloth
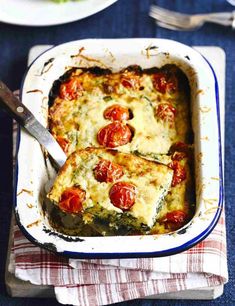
103, 281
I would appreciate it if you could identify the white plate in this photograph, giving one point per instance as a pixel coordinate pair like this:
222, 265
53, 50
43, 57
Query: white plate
46, 12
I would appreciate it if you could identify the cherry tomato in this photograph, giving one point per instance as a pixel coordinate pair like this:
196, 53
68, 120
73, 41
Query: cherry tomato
175, 219
71, 200
131, 82
180, 150
122, 195
163, 83
63, 142
106, 171
180, 147
178, 156
179, 172
71, 90
116, 112
172, 84
114, 134
166, 112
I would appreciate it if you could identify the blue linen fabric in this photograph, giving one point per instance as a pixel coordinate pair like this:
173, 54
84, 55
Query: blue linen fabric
123, 19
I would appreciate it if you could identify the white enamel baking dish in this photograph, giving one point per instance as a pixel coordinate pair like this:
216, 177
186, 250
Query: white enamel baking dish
32, 174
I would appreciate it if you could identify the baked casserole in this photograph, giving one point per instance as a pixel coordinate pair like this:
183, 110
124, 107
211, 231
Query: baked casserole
129, 140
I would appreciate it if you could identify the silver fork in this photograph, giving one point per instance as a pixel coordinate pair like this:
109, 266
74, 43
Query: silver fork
184, 22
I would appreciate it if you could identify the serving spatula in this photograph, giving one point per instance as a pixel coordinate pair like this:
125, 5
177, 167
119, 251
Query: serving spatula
26, 119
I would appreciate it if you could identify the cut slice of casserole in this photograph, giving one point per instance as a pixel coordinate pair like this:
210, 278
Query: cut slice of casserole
115, 191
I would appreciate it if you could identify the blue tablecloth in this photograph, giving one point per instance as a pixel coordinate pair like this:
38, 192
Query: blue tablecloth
123, 19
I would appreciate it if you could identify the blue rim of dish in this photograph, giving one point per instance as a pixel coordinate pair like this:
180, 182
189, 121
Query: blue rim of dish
189, 244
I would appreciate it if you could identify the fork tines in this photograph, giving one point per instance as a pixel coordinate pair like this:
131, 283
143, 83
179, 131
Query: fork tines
170, 19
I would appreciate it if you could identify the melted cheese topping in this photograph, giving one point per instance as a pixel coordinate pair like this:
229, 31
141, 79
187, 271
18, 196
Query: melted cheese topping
152, 182
79, 120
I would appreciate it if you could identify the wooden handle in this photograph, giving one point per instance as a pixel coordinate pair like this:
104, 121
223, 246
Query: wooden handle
13, 105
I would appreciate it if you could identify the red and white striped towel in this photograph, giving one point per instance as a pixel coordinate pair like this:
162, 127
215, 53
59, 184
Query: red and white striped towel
103, 281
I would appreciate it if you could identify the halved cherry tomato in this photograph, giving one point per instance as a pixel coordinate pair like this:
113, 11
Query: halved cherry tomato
116, 112
106, 171
122, 195
71, 90
179, 172
175, 219
71, 200
166, 112
114, 134
164, 83
63, 142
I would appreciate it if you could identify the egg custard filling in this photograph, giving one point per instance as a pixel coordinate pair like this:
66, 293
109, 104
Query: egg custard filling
128, 137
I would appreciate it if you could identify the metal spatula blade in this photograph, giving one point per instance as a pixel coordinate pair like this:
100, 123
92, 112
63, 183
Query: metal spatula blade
26, 119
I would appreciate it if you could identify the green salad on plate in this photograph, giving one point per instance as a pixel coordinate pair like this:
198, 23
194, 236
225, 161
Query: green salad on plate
62, 1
